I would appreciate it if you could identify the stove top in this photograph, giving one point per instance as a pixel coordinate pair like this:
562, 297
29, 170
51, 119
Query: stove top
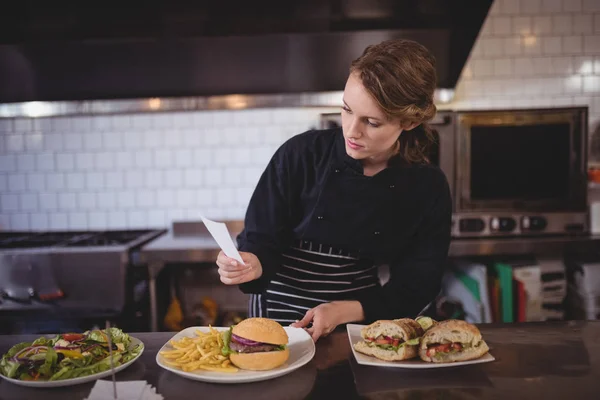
109, 238
31, 240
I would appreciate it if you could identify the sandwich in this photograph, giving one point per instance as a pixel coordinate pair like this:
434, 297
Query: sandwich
452, 340
256, 344
390, 340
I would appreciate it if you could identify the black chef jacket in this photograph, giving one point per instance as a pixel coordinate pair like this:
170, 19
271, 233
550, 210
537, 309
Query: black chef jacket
312, 190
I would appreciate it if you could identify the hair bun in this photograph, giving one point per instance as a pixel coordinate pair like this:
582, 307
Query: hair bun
415, 114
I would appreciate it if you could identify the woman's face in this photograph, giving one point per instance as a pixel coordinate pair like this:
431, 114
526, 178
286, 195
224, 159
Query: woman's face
369, 135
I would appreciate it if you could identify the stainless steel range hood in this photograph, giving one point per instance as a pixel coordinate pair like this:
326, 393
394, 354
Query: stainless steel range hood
218, 49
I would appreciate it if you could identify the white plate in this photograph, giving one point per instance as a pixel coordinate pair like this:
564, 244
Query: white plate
302, 350
83, 379
416, 363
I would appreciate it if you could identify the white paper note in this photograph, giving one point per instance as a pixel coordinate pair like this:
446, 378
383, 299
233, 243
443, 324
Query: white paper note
221, 234
128, 390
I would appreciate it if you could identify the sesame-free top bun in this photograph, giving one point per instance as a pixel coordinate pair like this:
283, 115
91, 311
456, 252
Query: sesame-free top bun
452, 330
262, 330
260, 361
404, 328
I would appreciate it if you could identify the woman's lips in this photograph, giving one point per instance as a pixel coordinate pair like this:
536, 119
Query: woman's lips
353, 145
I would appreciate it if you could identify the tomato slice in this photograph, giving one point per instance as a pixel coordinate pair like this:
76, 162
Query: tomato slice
395, 342
382, 341
456, 346
72, 337
443, 347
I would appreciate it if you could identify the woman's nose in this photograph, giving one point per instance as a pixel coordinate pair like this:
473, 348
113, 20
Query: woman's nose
354, 128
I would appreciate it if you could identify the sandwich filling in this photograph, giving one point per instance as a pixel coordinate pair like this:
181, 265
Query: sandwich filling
390, 342
441, 349
237, 344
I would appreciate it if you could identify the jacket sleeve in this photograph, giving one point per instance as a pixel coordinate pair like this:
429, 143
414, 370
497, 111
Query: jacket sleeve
415, 278
267, 224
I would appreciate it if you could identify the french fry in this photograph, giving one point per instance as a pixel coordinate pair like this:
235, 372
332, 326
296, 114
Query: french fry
199, 353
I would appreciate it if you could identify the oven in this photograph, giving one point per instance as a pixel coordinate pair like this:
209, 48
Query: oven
521, 172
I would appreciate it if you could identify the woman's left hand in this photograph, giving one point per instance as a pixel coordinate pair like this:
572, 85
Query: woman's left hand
327, 316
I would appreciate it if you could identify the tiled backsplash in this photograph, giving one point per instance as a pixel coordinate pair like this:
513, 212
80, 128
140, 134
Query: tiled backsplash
535, 53
136, 171
146, 170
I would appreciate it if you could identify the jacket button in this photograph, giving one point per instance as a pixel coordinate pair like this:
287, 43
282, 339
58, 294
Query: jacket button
376, 233
320, 217
392, 186
337, 170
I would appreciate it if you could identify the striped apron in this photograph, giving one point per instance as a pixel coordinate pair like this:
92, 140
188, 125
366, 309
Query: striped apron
312, 274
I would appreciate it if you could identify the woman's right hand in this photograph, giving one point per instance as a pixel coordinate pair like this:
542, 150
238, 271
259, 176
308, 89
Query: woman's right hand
234, 273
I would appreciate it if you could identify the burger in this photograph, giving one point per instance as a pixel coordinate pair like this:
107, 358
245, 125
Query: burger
257, 344
452, 340
391, 340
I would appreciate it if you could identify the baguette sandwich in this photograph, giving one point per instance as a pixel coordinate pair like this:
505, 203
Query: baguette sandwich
391, 340
450, 341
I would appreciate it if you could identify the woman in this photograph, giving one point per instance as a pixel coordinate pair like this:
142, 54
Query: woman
334, 204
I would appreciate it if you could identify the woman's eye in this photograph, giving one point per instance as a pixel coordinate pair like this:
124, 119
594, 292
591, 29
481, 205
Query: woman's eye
373, 124
347, 110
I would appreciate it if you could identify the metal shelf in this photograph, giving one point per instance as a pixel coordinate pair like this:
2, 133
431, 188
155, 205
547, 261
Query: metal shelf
523, 245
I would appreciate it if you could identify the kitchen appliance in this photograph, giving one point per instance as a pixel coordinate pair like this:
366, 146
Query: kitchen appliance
521, 172
442, 152
53, 281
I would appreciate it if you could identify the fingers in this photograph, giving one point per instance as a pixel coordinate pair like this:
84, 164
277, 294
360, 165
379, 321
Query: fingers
228, 264
316, 331
247, 258
242, 278
308, 317
233, 274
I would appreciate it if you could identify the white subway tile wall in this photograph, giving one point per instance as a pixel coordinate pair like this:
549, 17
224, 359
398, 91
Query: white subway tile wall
535, 53
137, 171
148, 170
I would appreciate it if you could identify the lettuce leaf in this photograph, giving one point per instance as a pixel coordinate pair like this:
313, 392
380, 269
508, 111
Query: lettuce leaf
98, 351
226, 350
411, 342
118, 336
131, 354
68, 372
9, 368
44, 342
97, 336
15, 349
49, 364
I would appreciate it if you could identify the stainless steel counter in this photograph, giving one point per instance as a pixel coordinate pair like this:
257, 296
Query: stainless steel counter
176, 249
523, 245
189, 243
203, 248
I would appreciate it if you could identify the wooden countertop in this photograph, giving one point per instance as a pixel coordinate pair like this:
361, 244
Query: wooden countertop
547, 360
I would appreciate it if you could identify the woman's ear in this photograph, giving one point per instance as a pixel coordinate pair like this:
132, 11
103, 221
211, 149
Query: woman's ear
407, 126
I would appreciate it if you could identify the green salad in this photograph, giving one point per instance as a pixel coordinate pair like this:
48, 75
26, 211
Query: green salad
69, 355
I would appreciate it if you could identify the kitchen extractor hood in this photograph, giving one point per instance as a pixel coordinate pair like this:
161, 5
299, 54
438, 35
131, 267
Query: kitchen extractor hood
168, 49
